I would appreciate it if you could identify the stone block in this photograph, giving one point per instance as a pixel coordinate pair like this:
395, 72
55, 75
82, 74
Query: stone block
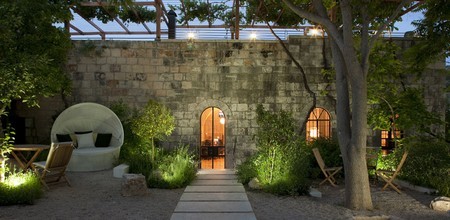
315, 193
441, 203
134, 185
120, 170
254, 184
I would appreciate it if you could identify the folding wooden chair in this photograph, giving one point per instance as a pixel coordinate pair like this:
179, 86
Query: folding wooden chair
389, 176
329, 172
54, 168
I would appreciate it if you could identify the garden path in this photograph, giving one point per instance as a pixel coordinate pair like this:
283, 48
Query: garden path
214, 194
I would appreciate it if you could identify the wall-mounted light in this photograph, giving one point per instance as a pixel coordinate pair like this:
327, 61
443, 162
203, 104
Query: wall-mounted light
315, 32
222, 117
253, 36
191, 36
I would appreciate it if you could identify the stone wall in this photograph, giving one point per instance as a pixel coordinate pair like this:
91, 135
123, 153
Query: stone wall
188, 77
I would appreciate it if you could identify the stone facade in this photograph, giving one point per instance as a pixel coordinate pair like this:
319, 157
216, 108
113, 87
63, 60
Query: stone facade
190, 76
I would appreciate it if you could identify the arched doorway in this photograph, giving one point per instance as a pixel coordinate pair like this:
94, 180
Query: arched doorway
212, 136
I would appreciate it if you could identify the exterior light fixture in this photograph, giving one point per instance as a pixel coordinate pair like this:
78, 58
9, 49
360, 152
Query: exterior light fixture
314, 32
222, 121
191, 36
253, 36
313, 132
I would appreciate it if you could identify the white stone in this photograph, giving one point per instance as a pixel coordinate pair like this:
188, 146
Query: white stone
315, 193
118, 171
441, 203
254, 184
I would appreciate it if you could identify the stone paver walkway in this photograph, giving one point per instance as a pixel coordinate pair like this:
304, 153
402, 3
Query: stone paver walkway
214, 195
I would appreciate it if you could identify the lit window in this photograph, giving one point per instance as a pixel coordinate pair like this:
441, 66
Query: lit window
318, 124
388, 137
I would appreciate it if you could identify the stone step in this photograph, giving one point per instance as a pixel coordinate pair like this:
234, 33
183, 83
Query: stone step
213, 216
216, 177
214, 206
220, 182
209, 189
214, 197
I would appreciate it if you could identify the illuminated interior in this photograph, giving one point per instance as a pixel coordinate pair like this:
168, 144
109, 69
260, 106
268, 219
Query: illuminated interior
318, 124
212, 150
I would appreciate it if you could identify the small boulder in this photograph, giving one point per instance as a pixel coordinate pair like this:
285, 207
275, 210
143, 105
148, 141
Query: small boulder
254, 184
134, 185
441, 203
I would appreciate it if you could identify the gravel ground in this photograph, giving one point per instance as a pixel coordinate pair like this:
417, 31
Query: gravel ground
96, 195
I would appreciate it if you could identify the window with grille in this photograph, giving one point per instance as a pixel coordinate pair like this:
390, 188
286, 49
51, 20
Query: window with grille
318, 124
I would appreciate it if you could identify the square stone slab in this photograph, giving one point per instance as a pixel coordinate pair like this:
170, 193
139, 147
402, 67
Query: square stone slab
215, 189
207, 182
213, 216
213, 206
214, 197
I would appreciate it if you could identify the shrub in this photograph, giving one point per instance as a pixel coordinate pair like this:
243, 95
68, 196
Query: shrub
20, 188
281, 162
330, 152
246, 171
428, 164
176, 169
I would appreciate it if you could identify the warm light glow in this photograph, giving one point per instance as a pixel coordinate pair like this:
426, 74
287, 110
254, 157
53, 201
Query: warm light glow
222, 121
191, 35
253, 36
314, 32
16, 180
313, 132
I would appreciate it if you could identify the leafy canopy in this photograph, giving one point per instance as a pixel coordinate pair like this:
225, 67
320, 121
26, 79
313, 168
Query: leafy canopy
33, 52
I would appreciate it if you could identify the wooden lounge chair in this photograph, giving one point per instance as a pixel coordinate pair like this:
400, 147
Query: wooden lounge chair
389, 176
329, 172
53, 169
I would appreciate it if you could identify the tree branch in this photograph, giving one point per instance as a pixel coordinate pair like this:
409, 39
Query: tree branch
382, 27
302, 71
332, 30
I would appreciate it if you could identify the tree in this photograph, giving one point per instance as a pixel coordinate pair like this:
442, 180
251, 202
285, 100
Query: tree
154, 121
33, 53
352, 42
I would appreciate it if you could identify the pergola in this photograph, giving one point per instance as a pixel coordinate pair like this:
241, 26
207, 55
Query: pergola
155, 31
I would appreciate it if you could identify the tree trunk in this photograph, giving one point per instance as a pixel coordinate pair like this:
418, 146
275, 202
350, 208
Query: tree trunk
357, 185
352, 132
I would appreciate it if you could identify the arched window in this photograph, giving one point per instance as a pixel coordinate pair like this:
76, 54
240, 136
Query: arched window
318, 124
212, 146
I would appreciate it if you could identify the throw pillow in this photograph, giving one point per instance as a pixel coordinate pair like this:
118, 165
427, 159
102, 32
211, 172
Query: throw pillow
63, 137
103, 140
82, 132
85, 140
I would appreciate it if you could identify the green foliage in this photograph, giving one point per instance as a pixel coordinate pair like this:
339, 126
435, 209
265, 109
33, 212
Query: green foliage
125, 10
20, 188
428, 164
162, 169
176, 169
6, 142
33, 52
391, 98
274, 11
134, 151
281, 163
152, 122
434, 41
246, 171
201, 10
330, 152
